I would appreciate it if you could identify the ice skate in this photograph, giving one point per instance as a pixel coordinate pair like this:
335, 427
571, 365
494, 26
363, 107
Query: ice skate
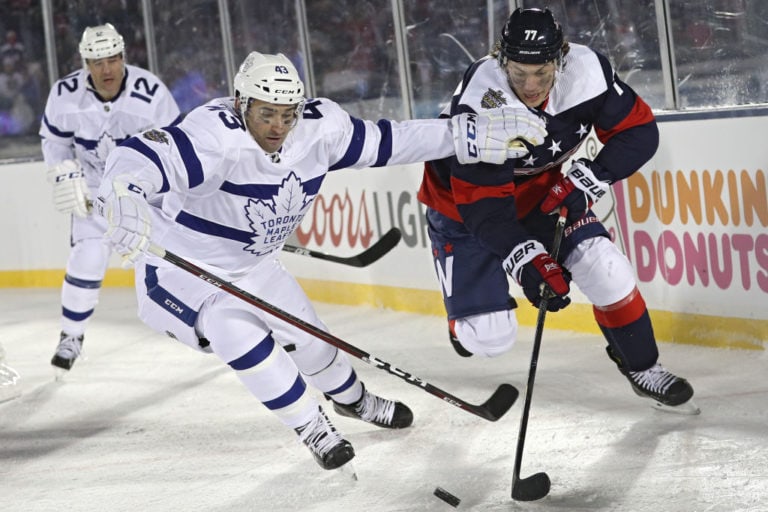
667, 391
69, 349
377, 411
330, 450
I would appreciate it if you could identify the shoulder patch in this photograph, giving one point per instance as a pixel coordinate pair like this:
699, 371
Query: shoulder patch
156, 136
493, 99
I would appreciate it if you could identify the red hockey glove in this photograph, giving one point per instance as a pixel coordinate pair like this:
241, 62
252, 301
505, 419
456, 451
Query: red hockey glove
530, 266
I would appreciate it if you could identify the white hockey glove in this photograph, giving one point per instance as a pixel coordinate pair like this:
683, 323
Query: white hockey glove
70, 190
496, 135
578, 190
127, 213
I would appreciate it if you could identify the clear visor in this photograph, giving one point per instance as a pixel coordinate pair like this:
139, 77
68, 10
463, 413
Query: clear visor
276, 115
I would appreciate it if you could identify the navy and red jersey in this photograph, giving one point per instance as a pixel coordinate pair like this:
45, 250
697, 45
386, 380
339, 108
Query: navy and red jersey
491, 199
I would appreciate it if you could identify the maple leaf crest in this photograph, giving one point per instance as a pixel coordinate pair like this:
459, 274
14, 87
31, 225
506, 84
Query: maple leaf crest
272, 221
104, 147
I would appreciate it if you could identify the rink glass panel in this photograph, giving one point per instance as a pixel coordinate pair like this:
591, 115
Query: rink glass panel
379, 58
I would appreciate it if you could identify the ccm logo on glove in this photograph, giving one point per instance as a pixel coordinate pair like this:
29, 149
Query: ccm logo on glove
471, 128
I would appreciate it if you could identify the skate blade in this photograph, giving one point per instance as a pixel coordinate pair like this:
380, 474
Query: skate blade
348, 470
689, 408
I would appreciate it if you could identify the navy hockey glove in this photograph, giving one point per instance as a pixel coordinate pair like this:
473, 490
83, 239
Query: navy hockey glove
578, 190
531, 266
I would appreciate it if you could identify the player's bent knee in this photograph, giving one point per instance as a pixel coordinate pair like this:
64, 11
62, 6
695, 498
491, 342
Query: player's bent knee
487, 334
601, 271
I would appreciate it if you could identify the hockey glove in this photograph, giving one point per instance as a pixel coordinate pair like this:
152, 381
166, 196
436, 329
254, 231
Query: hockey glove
578, 190
532, 268
70, 190
127, 213
496, 135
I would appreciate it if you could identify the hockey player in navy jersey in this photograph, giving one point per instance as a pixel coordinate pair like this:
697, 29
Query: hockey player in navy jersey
88, 113
226, 188
488, 221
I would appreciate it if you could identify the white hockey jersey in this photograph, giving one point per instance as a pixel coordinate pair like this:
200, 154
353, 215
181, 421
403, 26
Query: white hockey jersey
78, 124
226, 204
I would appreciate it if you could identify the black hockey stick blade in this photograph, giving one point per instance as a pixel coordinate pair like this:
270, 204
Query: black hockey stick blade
500, 402
381, 247
531, 488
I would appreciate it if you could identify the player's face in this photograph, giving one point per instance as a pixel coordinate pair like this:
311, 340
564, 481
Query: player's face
269, 124
107, 75
531, 82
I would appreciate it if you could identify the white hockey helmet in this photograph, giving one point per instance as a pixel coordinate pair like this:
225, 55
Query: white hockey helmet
270, 78
101, 42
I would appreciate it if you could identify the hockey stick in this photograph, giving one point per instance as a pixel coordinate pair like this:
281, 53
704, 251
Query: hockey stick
492, 409
535, 486
381, 247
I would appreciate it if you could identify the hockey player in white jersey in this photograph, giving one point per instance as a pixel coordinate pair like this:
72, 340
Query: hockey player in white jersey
225, 188
88, 113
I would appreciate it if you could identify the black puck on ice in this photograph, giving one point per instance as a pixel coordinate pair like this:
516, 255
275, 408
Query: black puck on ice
447, 497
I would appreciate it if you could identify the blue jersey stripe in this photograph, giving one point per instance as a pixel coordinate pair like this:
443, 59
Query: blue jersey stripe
56, 131
254, 356
191, 163
212, 228
267, 192
347, 384
137, 145
82, 283
355, 148
76, 316
289, 397
90, 144
385, 147
167, 300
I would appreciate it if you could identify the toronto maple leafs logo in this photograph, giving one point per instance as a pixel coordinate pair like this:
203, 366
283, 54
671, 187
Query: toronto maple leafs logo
104, 146
273, 220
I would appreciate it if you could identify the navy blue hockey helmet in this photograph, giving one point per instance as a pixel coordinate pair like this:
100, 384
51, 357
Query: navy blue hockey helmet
531, 36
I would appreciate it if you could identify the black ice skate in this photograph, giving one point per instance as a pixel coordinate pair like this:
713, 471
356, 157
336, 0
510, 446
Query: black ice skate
378, 411
68, 351
668, 391
330, 450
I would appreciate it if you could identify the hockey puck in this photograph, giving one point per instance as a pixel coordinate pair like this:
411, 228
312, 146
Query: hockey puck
447, 497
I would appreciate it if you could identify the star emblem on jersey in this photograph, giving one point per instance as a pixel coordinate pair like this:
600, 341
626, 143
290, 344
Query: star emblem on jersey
156, 136
555, 147
273, 220
493, 99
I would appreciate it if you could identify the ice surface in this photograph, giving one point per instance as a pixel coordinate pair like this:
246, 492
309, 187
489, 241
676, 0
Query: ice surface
147, 424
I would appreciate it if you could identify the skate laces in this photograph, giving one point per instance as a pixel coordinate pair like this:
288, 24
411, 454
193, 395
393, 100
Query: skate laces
319, 434
375, 409
656, 378
69, 346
